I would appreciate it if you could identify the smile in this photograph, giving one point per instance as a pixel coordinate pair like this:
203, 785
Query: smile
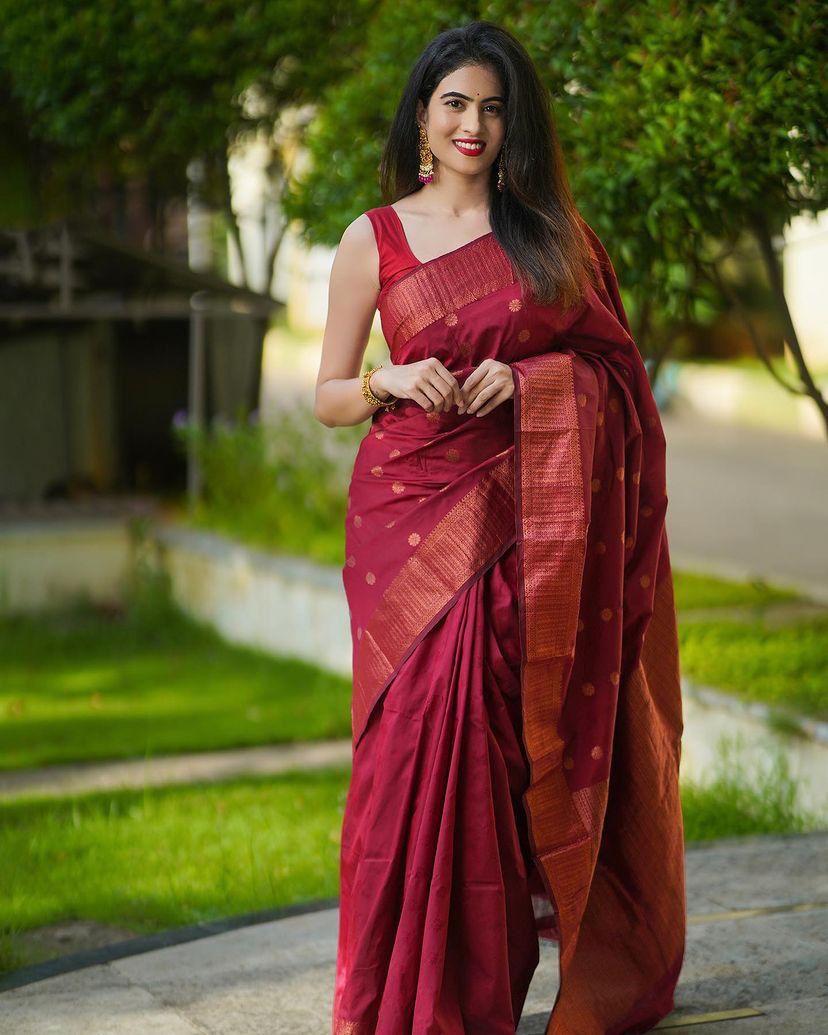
469, 148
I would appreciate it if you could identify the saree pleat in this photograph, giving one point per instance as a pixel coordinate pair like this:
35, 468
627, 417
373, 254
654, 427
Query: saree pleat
440, 931
516, 709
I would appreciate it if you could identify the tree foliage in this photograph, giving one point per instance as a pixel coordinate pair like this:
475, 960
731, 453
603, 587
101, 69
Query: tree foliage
133, 87
692, 131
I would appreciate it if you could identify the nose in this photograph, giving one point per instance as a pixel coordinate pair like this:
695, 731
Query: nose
471, 123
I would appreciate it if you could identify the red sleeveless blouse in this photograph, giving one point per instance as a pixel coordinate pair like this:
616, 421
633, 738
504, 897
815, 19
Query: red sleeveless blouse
395, 256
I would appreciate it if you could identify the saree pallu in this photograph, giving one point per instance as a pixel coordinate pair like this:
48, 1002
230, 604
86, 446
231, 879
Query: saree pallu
516, 705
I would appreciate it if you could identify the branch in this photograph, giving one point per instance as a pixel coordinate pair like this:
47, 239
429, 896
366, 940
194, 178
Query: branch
235, 232
774, 271
714, 275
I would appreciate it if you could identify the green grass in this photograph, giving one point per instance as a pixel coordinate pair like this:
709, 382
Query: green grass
702, 591
87, 685
168, 857
743, 799
82, 685
785, 666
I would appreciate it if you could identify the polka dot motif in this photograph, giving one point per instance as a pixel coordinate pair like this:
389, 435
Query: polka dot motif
645, 581
393, 454
357, 521
351, 561
377, 471
588, 689
397, 487
599, 418
646, 510
619, 473
606, 614
597, 752
582, 399
515, 305
370, 578
452, 455
380, 434
596, 484
615, 678
614, 405
568, 762
524, 335
451, 319
413, 539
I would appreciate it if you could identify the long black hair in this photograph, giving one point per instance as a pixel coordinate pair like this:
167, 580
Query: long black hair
534, 218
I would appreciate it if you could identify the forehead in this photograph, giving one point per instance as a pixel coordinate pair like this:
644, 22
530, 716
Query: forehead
473, 80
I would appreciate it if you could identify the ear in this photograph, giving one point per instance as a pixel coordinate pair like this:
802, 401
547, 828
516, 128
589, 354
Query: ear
422, 118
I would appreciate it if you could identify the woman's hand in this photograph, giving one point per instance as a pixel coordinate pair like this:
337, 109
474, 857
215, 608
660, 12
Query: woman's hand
427, 382
487, 386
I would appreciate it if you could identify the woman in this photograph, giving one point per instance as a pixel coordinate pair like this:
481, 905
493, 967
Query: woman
516, 705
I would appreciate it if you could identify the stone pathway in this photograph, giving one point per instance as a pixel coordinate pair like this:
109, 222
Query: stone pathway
756, 959
173, 769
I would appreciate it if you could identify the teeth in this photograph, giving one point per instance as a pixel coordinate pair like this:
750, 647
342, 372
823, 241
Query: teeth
468, 147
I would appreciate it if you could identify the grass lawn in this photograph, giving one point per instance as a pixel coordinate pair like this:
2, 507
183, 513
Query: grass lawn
702, 591
784, 666
81, 686
167, 857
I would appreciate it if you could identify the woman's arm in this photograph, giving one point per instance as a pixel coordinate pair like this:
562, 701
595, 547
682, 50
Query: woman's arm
352, 301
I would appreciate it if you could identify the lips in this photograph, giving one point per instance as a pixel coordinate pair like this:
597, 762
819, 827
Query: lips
469, 147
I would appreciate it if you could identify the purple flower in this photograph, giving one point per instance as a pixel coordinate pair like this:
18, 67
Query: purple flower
180, 420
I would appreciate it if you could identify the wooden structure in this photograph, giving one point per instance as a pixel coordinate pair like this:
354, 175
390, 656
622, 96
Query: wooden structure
101, 345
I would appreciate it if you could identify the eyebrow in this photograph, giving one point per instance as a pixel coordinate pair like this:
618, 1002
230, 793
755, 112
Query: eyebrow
456, 93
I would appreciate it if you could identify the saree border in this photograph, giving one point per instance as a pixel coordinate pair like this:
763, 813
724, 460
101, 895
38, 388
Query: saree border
552, 525
434, 290
461, 546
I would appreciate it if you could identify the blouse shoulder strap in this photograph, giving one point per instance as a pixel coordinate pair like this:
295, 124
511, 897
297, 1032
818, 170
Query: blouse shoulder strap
394, 256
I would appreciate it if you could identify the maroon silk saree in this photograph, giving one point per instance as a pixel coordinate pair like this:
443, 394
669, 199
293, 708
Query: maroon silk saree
516, 702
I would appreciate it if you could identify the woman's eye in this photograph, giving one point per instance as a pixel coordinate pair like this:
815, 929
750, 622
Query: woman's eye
489, 107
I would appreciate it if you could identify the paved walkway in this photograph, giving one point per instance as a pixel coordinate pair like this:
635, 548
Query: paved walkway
173, 769
756, 959
745, 502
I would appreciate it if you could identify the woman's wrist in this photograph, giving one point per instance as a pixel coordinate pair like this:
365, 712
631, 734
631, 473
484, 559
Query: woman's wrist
376, 385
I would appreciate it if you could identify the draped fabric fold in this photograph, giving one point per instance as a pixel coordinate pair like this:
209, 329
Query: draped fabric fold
513, 566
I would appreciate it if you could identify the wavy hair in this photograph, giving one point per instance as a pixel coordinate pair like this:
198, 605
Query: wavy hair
534, 218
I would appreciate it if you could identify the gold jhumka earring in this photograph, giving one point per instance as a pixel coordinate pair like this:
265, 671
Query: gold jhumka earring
426, 173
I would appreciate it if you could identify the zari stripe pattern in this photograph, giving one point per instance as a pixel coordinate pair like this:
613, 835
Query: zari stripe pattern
432, 291
460, 546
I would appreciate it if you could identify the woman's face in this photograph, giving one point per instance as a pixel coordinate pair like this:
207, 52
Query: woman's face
469, 104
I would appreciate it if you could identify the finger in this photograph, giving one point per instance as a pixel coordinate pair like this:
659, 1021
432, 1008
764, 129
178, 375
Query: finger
496, 400
454, 393
486, 391
419, 396
434, 394
446, 392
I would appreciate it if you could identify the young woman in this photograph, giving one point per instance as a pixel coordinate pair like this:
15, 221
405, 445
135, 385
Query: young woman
516, 704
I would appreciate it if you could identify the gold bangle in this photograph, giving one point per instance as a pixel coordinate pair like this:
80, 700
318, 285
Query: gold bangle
368, 394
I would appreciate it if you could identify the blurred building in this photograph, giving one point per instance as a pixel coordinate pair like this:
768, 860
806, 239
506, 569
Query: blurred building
97, 341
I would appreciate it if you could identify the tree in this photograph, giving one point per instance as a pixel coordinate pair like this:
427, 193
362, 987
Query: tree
139, 88
691, 131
